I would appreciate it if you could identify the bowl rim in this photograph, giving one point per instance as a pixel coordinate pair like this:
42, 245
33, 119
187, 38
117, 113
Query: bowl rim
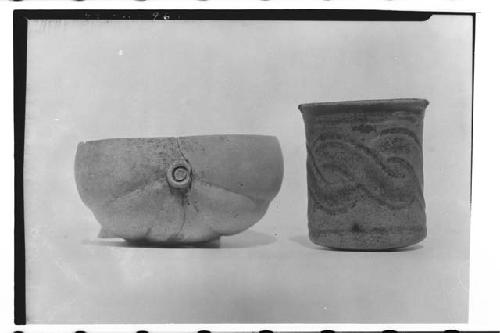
254, 136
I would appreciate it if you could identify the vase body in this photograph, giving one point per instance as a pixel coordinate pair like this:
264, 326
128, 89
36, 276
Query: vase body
365, 173
178, 190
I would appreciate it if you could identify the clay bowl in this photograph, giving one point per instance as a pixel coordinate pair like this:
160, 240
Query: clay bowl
178, 190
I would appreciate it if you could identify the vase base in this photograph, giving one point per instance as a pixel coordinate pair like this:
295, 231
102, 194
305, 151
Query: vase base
368, 241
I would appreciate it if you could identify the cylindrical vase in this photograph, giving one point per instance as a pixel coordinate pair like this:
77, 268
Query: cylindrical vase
365, 173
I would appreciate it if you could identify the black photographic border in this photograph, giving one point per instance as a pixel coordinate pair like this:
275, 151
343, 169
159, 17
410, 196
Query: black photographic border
20, 26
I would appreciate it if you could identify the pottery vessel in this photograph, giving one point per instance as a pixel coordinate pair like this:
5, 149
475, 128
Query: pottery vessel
364, 173
178, 190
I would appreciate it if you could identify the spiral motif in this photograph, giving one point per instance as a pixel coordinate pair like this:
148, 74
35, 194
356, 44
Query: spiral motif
342, 171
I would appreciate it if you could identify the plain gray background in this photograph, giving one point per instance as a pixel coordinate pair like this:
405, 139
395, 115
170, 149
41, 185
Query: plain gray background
97, 79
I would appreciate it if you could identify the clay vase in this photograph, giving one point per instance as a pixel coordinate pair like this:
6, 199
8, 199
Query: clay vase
178, 190
364, 173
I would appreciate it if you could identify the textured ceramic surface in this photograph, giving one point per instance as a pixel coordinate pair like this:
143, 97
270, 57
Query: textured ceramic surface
364, 173
178, 190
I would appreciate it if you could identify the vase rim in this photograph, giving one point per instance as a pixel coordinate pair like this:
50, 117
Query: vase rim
420, 103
